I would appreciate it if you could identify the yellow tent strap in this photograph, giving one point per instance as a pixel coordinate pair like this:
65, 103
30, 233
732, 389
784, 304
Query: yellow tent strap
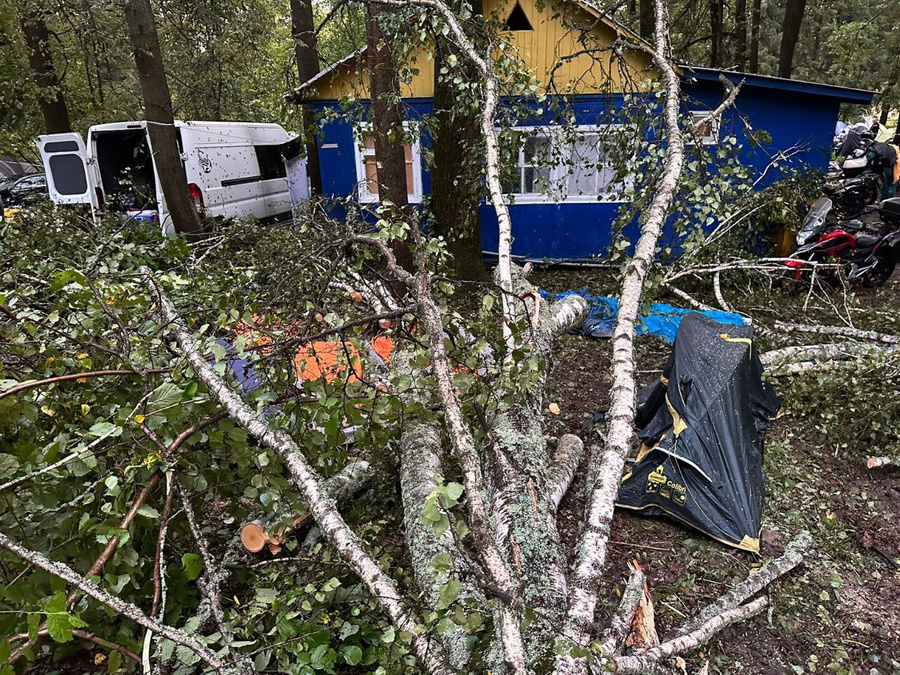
678, 424
728, 338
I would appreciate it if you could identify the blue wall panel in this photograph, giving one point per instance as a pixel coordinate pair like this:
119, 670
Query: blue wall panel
582, 230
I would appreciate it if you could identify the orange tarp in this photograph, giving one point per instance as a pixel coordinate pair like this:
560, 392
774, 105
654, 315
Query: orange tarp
326, 358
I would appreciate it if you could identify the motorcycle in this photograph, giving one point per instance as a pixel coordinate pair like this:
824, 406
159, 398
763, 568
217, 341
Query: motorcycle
869, 251
859, 180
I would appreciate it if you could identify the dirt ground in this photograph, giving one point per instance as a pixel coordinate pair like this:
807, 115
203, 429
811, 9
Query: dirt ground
839, 612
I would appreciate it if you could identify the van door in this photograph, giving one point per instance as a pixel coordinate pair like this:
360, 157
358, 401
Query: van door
65, 163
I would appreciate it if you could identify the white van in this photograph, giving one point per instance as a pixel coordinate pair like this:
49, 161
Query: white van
234, 169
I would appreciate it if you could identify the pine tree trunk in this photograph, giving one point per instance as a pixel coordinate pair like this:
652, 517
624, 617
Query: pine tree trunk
753, 65
740, 34
387, 126
160, 119
455, 205
793, 17
40, 59
715, 32
306, 54
647, 22
885, 106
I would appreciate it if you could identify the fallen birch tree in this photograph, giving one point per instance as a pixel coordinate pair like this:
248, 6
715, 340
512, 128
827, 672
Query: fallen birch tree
481, 486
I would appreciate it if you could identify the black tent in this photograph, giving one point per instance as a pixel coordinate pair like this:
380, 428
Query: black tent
700, 424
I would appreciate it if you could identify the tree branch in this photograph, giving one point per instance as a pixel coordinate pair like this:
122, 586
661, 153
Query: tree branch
844, 331
620, 623
382, 588
568, 456
792, 556
24, 386
645, 662
126, 609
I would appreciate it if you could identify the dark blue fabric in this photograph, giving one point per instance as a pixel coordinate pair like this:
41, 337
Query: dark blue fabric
658, 319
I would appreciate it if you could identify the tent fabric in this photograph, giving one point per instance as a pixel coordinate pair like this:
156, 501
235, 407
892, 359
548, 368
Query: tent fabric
700, 424
658, 319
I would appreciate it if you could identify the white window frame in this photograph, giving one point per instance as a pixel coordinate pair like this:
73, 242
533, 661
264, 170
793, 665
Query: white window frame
711, 139
360, 153
559, 173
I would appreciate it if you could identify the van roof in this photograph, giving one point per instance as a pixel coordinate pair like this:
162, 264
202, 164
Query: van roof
135, 124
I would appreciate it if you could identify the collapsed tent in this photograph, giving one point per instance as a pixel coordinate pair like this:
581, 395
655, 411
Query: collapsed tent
701, 456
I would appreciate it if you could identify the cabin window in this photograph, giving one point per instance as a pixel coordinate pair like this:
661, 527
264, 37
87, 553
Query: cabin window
517, 20
367, 167
708, 131
531, 174
271, 164
548, 165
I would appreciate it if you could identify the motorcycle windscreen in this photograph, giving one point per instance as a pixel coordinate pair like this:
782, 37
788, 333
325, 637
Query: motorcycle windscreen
65, 164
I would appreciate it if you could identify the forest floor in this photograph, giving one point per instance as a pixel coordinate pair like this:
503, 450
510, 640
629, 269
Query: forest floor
839, 612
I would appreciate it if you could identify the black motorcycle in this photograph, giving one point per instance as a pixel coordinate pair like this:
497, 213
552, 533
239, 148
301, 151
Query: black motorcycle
860, 181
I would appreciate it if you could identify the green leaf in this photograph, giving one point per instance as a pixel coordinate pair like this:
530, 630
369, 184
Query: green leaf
34, 624
59, 628
261, 660
105, 429
114, 662
191, 391
352, 655
148, 512
454, 491
164, 396
192, 564
8, 464
448, 594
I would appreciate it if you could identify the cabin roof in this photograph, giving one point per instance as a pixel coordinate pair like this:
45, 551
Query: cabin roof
845, 94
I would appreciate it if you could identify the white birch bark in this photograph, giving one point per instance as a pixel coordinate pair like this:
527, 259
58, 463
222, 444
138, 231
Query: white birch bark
646, 661
592, 546
420, 467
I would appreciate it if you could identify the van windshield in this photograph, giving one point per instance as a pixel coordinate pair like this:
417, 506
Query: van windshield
126, 169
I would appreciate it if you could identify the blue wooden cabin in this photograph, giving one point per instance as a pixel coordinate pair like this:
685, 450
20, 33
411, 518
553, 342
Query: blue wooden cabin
572, 223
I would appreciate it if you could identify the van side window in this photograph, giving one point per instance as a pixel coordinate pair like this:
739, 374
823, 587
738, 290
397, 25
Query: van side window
270, 163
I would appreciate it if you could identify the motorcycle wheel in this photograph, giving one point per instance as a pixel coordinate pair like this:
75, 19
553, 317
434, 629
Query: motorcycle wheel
873, 193
850, 205
878, 275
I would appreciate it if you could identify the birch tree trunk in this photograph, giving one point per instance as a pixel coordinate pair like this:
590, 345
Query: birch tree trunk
606, 465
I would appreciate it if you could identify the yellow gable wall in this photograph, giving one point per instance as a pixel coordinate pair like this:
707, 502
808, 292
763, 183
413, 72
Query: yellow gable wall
541, 50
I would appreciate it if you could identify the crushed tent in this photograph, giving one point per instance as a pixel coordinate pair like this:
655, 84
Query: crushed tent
657, 319
700, 460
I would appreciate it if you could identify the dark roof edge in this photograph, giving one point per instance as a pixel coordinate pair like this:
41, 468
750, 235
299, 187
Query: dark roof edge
847, 94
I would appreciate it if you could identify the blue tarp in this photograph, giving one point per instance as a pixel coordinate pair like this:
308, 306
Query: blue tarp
658, 319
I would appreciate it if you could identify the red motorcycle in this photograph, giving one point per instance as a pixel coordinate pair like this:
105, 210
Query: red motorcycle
870, 251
